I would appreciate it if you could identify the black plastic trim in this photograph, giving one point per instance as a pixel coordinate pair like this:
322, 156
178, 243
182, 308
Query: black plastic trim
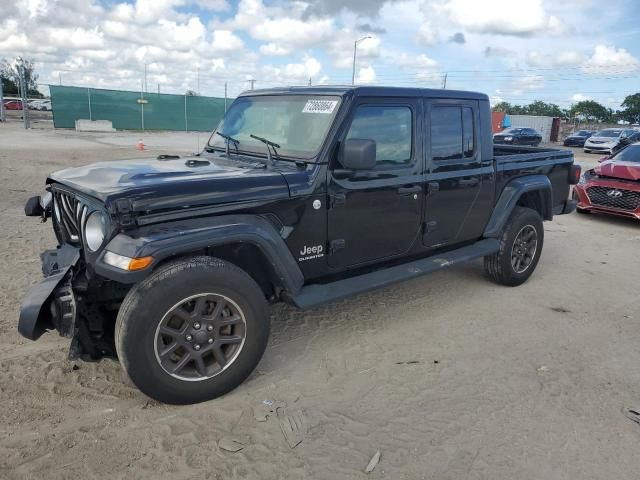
175, 238
510, 196
35, 317
315, 295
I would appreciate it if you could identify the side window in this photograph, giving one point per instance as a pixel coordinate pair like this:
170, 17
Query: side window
446, 133
468, 137
390, 127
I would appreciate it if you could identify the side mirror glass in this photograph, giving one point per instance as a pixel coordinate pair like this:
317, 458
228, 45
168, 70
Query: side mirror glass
358, 154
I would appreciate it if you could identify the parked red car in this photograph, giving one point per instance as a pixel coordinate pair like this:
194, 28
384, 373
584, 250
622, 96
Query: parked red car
13, 105
612, 187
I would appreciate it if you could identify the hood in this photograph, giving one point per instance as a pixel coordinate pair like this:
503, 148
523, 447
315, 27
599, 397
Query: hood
156, 184
623, 170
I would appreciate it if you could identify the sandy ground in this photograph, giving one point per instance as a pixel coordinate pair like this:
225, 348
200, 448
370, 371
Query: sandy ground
448, 376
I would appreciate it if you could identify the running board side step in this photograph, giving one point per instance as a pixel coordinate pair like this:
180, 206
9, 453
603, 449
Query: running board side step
314, 295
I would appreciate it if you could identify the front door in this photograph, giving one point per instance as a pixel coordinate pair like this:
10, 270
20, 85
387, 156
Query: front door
376, 214
459, 182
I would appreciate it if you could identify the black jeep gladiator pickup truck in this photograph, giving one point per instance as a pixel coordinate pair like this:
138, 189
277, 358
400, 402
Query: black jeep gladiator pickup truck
302, 195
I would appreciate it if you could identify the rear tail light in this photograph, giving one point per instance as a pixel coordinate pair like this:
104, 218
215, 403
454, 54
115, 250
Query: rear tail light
574, 174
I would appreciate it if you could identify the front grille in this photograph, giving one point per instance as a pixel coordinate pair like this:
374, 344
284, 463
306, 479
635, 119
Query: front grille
614, 197
69, 215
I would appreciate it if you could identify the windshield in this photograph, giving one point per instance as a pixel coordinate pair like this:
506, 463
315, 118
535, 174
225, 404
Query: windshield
510, 131
297, 123
608, 133
582, 133
629, 154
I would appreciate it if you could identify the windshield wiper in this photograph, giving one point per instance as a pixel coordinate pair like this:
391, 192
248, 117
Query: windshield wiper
229, 139
269, 145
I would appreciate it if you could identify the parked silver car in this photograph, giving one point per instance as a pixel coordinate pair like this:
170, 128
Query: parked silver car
607, 140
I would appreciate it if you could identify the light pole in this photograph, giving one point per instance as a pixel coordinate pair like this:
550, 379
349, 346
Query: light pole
355, 48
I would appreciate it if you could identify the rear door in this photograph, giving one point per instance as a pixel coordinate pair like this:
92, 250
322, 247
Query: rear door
376, 214
459, 183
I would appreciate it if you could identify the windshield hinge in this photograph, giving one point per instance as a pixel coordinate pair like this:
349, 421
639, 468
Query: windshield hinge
124, 213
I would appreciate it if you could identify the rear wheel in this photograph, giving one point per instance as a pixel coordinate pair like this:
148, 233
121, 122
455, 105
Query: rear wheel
520, 249
192, 331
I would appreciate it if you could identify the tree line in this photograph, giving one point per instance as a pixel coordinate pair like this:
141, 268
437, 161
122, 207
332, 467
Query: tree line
10, 76
589, 110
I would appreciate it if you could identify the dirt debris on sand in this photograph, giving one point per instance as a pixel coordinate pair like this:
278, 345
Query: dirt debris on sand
482, 410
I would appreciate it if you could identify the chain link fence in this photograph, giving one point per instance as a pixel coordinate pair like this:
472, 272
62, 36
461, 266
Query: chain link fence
128, 110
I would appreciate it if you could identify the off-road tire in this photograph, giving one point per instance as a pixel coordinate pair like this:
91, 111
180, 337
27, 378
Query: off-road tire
499, 265
147, 303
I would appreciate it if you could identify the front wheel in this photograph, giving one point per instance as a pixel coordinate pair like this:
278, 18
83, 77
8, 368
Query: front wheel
520, 249
192, 331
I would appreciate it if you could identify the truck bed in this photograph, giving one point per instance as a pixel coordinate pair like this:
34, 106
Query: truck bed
515, 161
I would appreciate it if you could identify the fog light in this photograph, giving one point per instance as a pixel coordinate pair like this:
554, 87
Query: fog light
126, 263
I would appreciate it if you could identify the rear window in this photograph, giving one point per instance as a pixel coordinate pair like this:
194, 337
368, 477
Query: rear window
629, 154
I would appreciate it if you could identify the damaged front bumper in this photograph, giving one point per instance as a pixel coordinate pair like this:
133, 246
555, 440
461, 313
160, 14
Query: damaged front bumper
51, 304
79, 306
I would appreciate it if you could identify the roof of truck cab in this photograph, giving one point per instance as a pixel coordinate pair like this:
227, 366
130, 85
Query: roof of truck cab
368, 91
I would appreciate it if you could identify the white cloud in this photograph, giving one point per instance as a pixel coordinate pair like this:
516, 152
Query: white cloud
274, 49
578, 97
426, 34
293, 31
366, 75
293, 73
606, 59
226, 41
341, 48
502, 17
421, 62
558, 59
107, 43
529, 82
495, 99
213, 5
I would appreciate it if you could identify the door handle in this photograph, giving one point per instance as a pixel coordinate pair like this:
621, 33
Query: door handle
409, 190
433, 187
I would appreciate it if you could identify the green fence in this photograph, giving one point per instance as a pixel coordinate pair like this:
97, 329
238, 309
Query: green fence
134, 111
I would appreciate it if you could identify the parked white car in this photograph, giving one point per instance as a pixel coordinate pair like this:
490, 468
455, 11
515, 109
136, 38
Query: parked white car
605, 141
44, 104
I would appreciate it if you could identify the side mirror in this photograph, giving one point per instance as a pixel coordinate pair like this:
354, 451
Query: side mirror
602, 159
33, 208
358, 154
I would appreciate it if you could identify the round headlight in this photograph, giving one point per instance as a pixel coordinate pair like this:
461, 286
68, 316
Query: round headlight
95, 230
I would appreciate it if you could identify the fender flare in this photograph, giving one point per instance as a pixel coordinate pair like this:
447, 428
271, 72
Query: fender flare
170, 239
510, 196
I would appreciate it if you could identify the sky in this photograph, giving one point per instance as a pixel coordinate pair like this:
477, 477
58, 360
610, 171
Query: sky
559, 51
